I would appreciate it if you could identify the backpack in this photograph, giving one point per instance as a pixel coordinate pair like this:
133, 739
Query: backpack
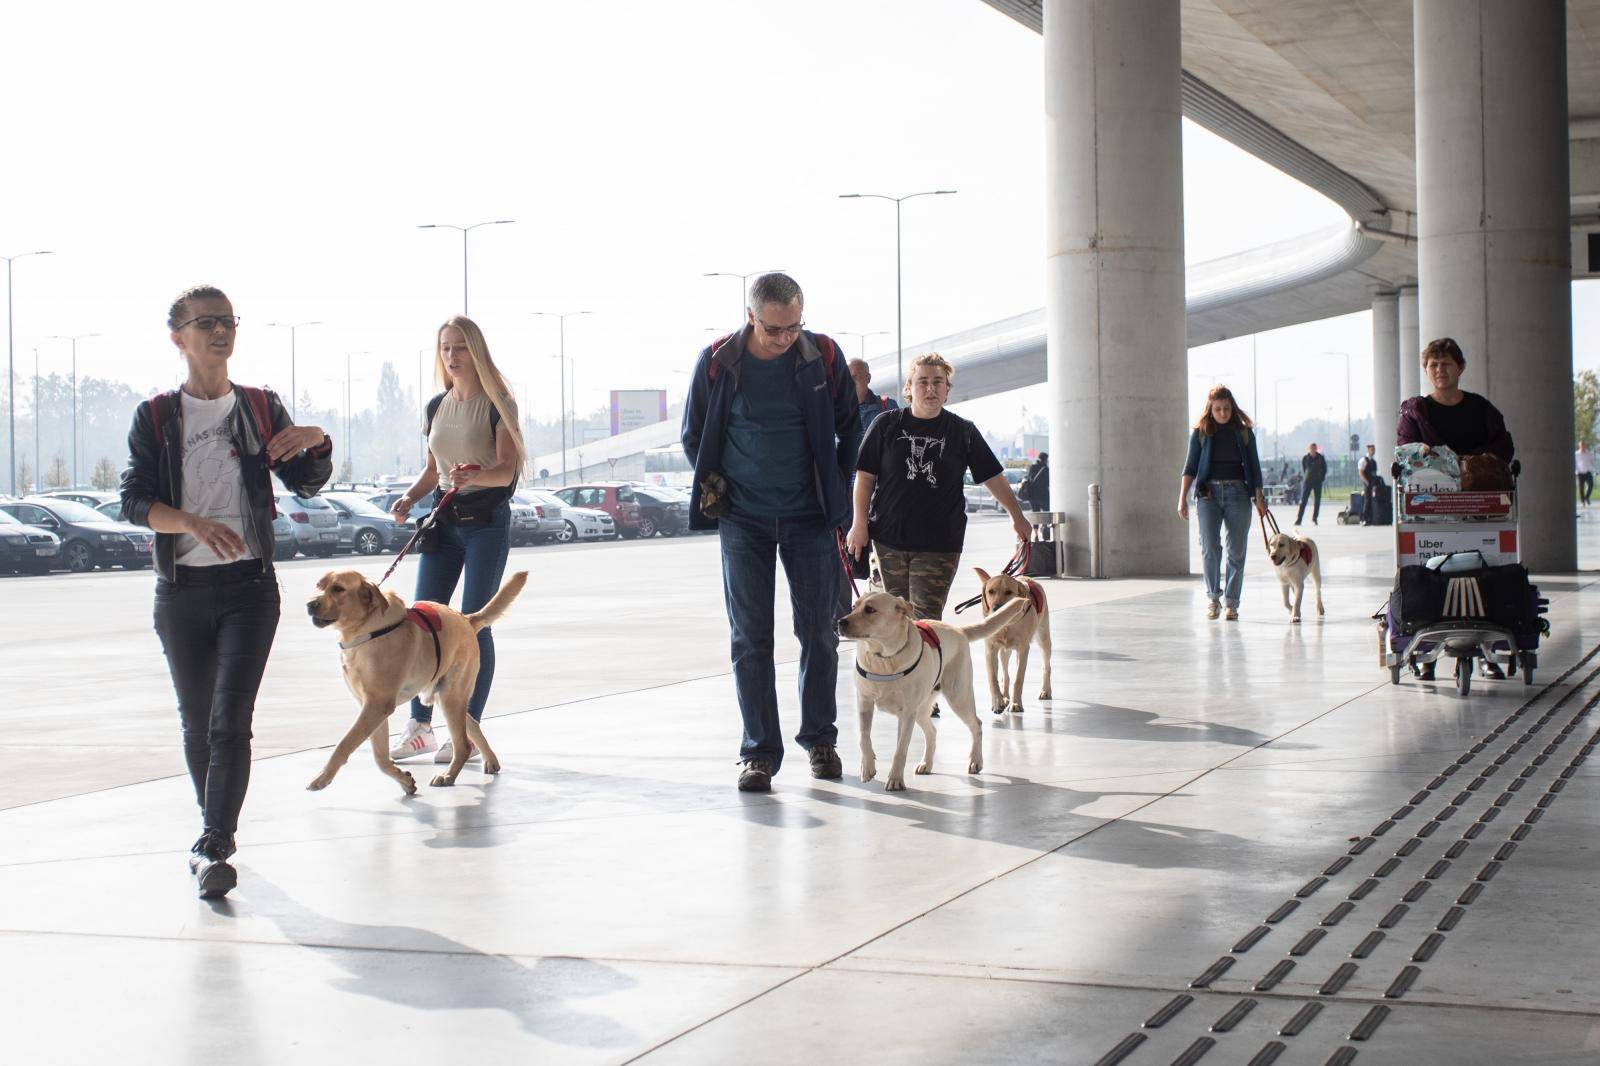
255, 400
825, 345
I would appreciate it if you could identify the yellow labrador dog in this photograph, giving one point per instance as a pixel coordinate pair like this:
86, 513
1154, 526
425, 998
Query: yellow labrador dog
391, 653
1295, 558
1005, 687
900, 665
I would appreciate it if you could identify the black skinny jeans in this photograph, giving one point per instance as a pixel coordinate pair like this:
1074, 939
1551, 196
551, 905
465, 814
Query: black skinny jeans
216, 625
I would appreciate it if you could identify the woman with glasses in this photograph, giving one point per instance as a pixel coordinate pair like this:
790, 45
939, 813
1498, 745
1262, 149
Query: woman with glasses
198, 474
474, 446
1224, 471
910, 504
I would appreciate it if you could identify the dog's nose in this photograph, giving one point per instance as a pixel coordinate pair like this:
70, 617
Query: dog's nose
311, 608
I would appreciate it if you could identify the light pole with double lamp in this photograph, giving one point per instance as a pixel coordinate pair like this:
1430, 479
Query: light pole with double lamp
561, 317
464, 231
74, 340
294, 399
899, 321
744, 281
349, 414
11, 381
862, 337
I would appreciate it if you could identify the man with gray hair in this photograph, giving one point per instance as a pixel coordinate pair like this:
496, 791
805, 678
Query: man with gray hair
771, 426
870, 403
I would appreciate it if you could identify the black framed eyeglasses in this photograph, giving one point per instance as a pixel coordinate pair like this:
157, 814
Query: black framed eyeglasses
208, 323
781, 331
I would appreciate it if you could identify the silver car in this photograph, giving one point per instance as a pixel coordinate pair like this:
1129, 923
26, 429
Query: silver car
547, 511
364, 527
315, 523
577, 523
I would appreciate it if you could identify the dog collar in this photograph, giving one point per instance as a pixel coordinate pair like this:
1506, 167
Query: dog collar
374, 635
930, 639
425, 618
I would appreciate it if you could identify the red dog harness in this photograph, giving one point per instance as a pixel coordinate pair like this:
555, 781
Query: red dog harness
930, 639
1036, 594
1305, 553
425, 616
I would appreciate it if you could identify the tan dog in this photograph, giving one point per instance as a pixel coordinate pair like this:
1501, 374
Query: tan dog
1294, 558
900, 671
1014, 639
388, 660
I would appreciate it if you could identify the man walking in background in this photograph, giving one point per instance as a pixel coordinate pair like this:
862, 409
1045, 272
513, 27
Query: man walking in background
1313, 470
1369, 486
1583, 466
870, 404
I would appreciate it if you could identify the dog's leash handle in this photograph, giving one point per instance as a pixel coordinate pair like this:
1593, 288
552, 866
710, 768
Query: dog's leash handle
425, 524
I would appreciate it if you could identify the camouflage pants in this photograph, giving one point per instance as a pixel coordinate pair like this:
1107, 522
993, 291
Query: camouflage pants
922, 579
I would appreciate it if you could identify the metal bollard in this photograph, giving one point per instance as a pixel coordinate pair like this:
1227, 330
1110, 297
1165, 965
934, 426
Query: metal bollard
1097, 562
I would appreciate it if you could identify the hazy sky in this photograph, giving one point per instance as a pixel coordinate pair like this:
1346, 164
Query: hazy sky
286, 152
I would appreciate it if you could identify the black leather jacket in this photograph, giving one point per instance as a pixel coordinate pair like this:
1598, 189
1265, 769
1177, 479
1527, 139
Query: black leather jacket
155, 473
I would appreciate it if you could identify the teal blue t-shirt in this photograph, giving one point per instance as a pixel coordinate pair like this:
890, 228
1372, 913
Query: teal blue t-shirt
765, 457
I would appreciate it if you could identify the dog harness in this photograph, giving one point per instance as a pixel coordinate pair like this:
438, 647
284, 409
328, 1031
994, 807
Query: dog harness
1305, 553
1036, 594
424, 616
930, 639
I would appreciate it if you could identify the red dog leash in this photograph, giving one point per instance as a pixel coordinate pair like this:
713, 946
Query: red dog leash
423, 526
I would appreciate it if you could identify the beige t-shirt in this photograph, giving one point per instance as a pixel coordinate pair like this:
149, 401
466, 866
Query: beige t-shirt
461, 433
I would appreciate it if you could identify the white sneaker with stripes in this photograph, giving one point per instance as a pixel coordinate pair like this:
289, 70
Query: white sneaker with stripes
417, 739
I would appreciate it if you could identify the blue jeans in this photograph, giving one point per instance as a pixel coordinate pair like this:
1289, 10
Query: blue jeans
482, 550
1228, 504
750, 547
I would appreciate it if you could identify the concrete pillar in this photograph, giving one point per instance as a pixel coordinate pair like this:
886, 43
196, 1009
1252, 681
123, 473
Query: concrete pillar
1410, 348
1493, 250
1114, 299
1385, 374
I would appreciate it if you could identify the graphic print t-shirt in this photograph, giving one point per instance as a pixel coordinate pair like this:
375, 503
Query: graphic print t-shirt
213, 483
918, 503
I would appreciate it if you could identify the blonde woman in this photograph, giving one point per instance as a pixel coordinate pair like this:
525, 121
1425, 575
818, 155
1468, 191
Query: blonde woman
909, 501
475, 447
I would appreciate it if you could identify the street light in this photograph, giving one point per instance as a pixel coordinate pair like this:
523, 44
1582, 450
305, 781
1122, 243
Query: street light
464, 231
11, 383
899, 323
562, 316
38, 478
74, 340
294, 411
349, 414
1348, 425
863, 337
1277, 419
743, 280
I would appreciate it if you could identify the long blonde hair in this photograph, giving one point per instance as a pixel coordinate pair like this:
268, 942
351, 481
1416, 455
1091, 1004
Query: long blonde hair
494, 386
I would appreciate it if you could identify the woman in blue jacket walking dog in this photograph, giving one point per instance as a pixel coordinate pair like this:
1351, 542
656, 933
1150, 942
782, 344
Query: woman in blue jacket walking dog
1224, 471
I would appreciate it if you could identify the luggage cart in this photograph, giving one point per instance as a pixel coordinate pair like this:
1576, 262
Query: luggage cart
1430, 523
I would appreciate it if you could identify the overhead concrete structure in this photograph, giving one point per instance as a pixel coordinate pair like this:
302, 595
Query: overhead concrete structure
1114, 270
1385, 369
1410, 346
1494, 228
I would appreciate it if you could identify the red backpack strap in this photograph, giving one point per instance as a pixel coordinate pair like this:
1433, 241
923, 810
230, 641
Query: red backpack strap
160, 414
256, 400
830, 356
713, 367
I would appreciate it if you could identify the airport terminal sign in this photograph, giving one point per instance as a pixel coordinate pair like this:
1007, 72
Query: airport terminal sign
632, 408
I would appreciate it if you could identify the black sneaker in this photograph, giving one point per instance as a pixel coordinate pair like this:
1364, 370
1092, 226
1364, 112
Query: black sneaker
825, 764
755, 775
208, 862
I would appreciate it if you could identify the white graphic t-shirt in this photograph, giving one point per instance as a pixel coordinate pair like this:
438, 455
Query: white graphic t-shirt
213, 483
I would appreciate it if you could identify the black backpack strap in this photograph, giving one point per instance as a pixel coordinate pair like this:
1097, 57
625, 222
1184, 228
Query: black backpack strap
433, 409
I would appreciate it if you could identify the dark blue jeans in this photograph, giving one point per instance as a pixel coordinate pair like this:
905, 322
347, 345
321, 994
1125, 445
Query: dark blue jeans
750, 549
216, 625
481, 550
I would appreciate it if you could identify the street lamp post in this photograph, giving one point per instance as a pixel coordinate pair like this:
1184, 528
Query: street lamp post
561, 317
349, 413
38, 482
899, 323
422, 407
74, 340
294, 399
11, 384
743, 281
1349, 426
1277, 419
862, 337
464, 231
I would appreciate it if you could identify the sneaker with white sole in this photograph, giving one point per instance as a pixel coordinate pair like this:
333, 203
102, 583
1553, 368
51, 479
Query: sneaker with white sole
417, 739
446, 753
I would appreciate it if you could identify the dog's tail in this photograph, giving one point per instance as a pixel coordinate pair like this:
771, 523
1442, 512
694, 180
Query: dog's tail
997, 621
500, 604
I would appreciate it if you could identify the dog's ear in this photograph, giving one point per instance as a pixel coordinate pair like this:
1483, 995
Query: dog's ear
322, 582
902, 607
983, 575
370, 596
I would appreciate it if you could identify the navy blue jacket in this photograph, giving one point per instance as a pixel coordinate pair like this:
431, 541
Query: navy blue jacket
828, 404
1198, 463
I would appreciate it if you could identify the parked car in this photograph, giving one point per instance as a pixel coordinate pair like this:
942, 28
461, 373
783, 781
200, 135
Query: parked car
88, 497
26, 549
578, 523
524, 523
661, 510
615, 498
88, 538
315, 524
364, 527
547, 511
385, 500
283, 540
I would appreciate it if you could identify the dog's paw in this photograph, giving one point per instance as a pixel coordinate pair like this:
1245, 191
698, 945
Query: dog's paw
1015, 708
491, 766
1320, 610
869, 770
1294, 619
924, 768
1045, 695
442, 781
320, 782
408, 783
975, 766
895, 784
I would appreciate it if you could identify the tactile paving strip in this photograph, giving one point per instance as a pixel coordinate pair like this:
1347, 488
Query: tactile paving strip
1441, 862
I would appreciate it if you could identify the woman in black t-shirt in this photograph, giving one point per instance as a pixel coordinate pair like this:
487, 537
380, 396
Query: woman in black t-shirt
909, 501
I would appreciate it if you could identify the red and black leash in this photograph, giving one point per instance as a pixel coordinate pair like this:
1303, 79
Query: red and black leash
844, 561
422, 527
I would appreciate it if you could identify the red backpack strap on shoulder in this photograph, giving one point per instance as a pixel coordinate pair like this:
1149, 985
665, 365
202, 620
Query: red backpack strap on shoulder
160, 414
260, 410
829, 350
712, 368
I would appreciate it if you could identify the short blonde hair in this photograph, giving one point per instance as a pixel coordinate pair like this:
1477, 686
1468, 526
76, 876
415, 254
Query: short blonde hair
933, 359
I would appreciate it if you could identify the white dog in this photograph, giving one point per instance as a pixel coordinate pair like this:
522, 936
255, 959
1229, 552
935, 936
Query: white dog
1294, 558
901, 664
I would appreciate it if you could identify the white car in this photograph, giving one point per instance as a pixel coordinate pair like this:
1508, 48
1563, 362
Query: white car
585, 523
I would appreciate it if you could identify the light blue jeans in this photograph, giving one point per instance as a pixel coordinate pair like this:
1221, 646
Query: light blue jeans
1229, 504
